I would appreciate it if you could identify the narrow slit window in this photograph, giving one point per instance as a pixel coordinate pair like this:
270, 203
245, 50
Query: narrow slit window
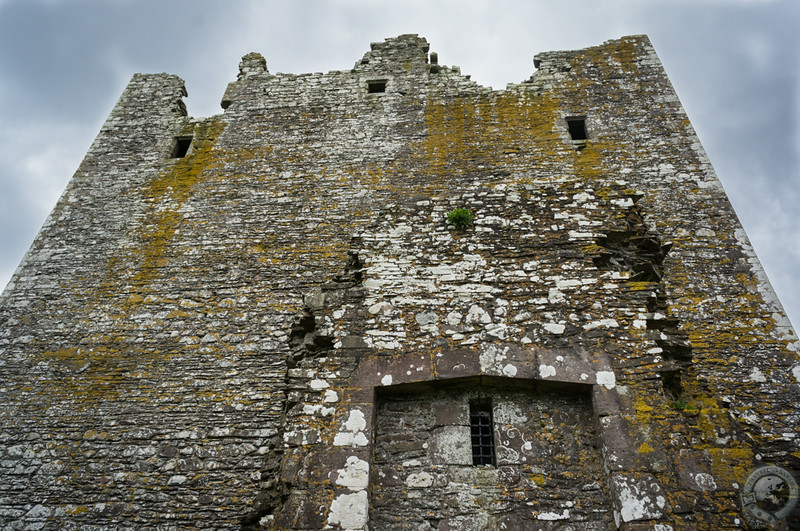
482, 432
376, 86
182, 145
577, 127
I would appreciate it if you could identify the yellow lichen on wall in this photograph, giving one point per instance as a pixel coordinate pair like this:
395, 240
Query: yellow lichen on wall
167, 193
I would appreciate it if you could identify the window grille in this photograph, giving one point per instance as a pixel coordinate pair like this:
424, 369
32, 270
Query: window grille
482, 431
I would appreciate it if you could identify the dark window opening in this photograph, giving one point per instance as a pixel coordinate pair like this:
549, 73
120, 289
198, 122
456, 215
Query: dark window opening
374, 87
577, 127
482, 433
182, 145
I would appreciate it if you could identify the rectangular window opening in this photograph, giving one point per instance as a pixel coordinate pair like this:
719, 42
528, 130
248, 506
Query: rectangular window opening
182, 145
577, 127
482, 433
378, 85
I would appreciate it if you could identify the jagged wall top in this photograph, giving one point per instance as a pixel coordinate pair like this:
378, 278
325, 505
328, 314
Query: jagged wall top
406, 55
395, 52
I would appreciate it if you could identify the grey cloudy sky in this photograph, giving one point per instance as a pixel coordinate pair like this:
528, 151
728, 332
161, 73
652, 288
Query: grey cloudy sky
734, 64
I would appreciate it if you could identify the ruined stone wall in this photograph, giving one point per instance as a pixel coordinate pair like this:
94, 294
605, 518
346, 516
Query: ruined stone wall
281, 330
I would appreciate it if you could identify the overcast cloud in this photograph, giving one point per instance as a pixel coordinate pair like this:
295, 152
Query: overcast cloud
734, 64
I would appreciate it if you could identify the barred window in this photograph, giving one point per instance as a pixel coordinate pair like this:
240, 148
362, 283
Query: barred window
482, 431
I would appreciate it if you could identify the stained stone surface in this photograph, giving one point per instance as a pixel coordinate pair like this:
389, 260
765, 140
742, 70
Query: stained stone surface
280, 330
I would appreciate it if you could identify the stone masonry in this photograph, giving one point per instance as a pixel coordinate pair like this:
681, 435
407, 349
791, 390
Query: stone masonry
264, 320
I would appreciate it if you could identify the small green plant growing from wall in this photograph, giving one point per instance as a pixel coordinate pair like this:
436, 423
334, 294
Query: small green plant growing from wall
682, 405
460, 218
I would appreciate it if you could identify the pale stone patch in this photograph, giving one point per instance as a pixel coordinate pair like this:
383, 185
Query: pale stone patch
318, 385
420, 480
555, 295
554, 328
379, 307
450, 445
757, 376
453, 318
426, 318
607, 323
477, 314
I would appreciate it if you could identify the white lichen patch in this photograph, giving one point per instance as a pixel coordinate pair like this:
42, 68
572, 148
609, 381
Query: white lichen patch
510, 414
554, 516
757, 376
451, 445
606, 379
639, 499
353, 433
354, 475
492, 359
330, 396
546, 371
705, 481
318, 410
350, 510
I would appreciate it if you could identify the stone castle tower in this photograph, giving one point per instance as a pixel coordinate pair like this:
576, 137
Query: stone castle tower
274, 318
